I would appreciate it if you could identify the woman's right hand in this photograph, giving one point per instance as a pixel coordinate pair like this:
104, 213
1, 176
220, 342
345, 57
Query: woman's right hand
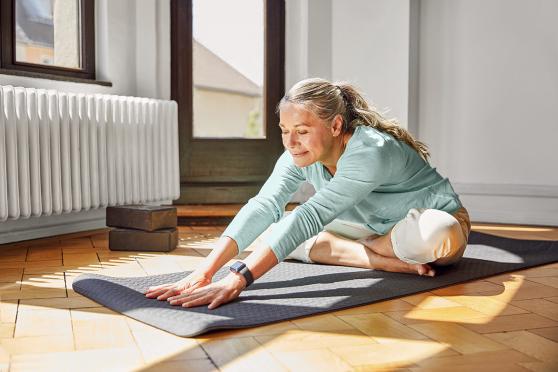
196, 279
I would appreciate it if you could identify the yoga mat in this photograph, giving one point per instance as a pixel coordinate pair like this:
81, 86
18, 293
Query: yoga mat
294, 289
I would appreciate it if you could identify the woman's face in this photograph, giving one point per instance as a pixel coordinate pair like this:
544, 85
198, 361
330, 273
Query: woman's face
307, 137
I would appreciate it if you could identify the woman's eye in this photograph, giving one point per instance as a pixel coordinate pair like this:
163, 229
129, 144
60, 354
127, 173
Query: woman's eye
302, 132
284, 132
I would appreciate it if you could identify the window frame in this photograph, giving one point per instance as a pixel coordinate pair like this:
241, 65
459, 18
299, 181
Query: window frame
7, 45
182, 55
234, 169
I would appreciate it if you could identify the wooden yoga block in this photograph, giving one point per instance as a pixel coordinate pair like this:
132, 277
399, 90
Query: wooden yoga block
164, 240
142, 217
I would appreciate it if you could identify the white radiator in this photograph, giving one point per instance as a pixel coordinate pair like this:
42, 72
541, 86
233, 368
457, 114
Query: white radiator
65, 152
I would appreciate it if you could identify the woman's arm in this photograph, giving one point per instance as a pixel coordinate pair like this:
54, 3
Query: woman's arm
260, 261
224, 250
258, 214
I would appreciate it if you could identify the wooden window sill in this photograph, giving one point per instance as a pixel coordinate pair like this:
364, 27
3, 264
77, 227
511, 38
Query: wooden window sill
41, 75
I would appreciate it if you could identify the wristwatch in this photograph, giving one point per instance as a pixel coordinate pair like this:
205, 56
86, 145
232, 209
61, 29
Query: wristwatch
241, 268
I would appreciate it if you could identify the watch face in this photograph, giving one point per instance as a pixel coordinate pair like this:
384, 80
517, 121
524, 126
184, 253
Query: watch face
237, 266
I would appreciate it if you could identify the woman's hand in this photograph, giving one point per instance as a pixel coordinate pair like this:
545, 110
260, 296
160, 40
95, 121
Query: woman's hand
195, 280
214, 294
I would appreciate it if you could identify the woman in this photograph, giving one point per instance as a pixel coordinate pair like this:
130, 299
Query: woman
378, 203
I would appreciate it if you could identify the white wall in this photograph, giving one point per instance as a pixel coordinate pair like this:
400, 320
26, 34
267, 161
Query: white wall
308, 25
153, 57
488, 104
308, 40
365, 42
477, 81
370, 41
132, 52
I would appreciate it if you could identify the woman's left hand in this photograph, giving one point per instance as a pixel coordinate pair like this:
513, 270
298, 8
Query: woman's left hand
214, 294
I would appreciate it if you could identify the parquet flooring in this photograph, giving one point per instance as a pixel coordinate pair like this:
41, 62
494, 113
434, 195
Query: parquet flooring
503, 323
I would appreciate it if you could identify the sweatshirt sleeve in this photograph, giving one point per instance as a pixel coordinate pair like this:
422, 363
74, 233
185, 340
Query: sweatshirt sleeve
358, 173
268, 206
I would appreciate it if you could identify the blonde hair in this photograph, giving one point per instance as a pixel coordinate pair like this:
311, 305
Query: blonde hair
327, 100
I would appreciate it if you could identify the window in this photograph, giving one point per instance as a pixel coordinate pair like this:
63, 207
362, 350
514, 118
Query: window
227, 76
228, 68
55, 37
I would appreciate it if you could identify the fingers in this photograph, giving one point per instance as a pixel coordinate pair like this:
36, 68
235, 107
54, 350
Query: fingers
426, 270
163, 293
215, 303
197, 294
169, 293
156, 293
167, 290
194, 298
207, 299
199, 301
182, 294
181, 298
165, 287
214, 300
156, 287
174, 292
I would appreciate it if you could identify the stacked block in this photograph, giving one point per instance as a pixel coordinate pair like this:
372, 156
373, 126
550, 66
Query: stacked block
142, 228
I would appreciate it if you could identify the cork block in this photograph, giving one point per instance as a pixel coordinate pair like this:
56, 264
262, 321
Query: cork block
141, 217
164, 240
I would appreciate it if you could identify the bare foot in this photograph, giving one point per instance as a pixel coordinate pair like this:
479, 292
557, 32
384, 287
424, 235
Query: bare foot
422, 269
391, 263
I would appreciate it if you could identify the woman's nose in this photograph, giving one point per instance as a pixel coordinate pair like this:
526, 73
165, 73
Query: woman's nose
290, 140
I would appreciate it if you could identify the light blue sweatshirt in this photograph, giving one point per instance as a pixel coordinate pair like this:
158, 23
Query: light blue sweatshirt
378, 179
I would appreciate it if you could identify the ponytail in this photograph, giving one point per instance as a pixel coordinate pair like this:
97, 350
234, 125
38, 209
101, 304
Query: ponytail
358, 112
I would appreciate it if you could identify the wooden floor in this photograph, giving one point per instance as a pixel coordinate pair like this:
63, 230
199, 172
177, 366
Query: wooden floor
504, 323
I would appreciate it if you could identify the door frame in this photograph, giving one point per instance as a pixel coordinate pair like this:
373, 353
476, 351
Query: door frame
196, 189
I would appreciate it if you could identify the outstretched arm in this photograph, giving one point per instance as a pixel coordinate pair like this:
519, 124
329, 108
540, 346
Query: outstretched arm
260, 212
225, 249
260, 261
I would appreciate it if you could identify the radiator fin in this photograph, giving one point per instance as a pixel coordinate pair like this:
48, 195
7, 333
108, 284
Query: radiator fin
65, 152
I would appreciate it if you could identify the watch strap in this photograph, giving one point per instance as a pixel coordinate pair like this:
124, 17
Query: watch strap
244, 271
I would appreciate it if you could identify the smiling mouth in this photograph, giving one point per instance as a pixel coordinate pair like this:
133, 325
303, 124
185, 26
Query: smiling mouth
302, 153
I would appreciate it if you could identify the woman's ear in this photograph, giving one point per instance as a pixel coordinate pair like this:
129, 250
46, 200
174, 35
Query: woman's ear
337, 125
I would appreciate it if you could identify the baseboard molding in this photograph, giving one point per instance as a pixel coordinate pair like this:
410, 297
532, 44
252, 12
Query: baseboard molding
537, 191
514, 204
45, 226
40, 227
496, 203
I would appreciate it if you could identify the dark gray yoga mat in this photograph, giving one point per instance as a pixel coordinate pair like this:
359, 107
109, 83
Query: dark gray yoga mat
294, 289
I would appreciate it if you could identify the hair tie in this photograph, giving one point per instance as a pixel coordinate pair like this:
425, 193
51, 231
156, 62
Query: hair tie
348, 109
343, 95
348, 104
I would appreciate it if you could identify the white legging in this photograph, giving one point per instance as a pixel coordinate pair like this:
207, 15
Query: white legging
423, 236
